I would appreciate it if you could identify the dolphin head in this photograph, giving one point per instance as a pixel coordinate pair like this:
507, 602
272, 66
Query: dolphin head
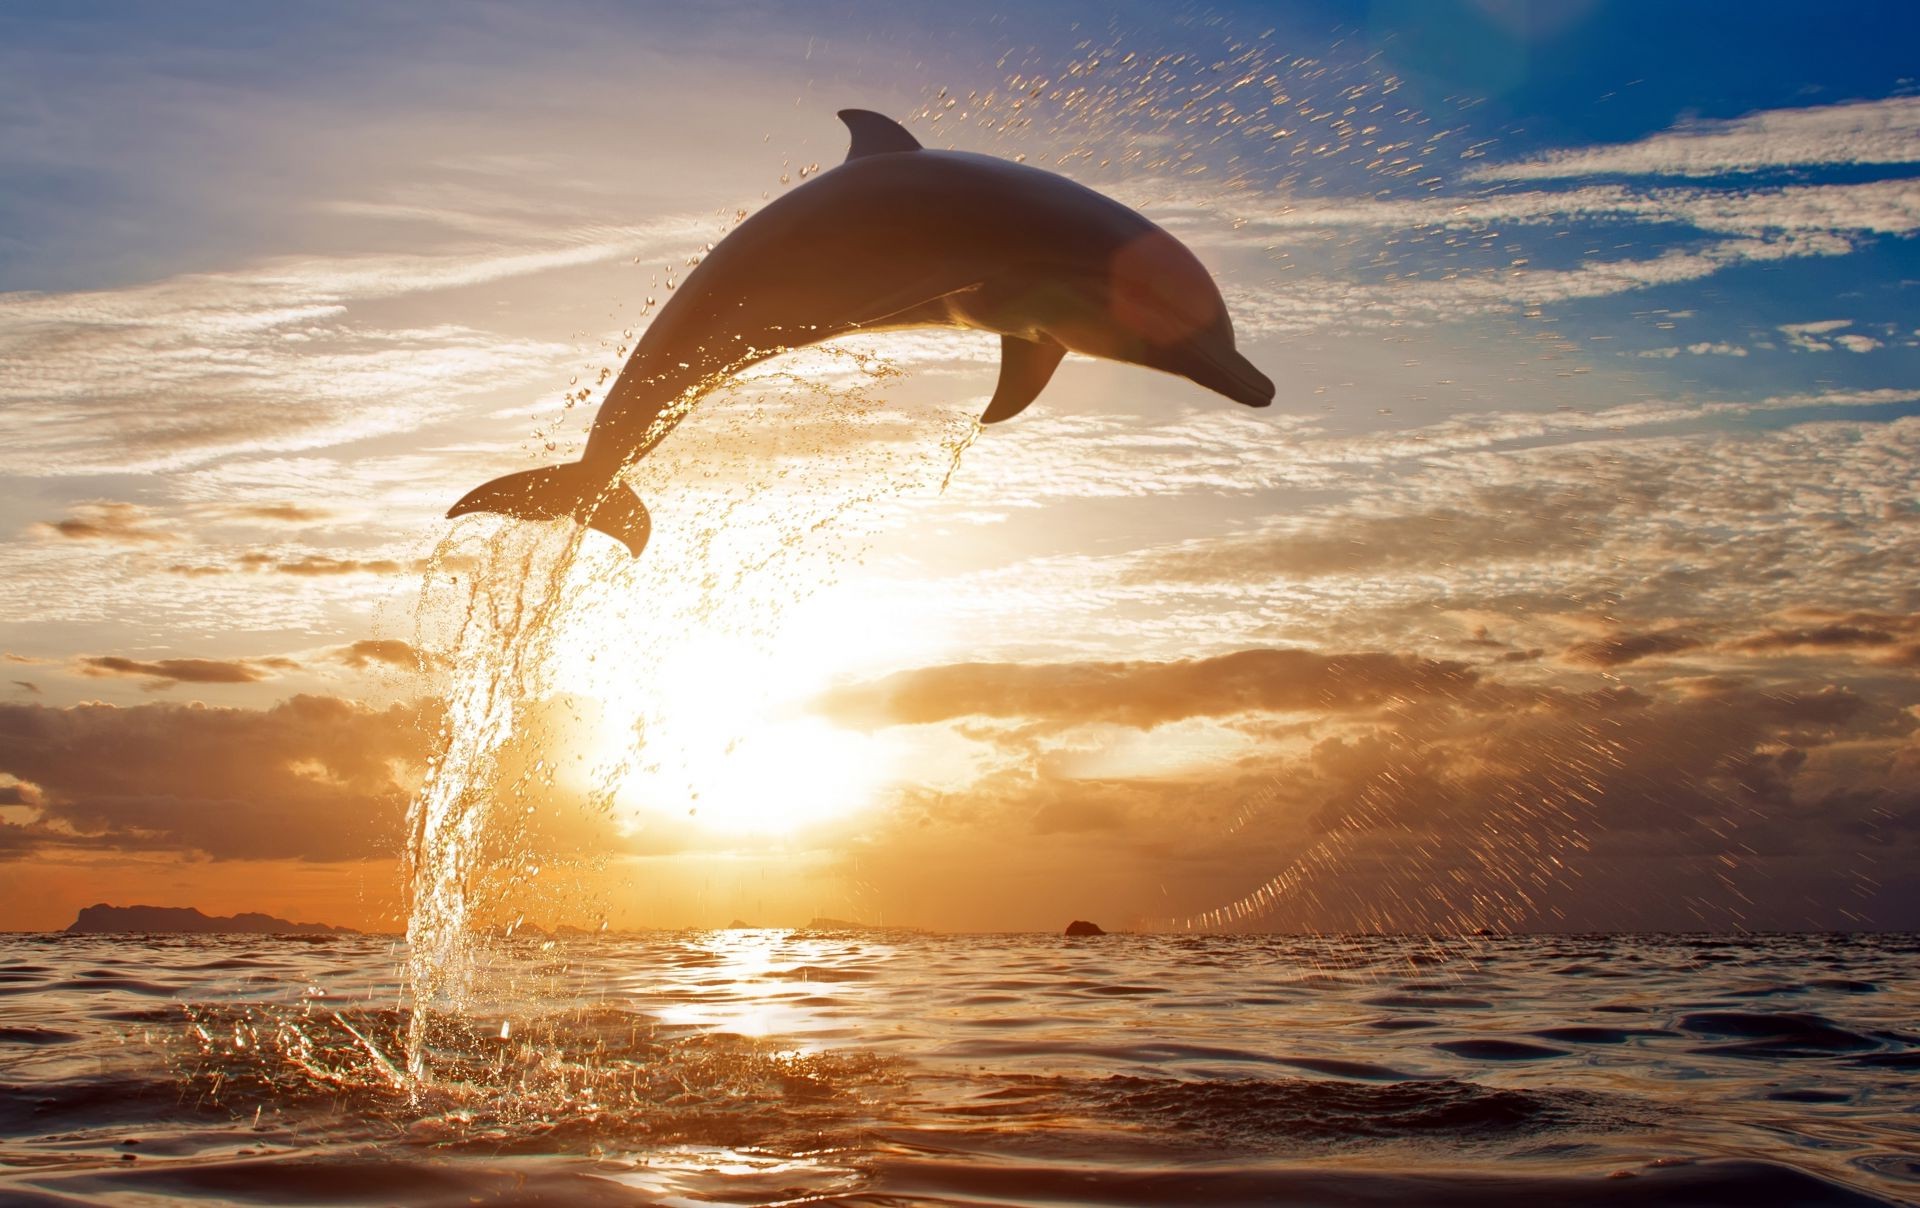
1159, 307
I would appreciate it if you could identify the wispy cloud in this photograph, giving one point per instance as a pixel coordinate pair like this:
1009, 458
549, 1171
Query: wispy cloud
284, 355
1862, 132
1878, 207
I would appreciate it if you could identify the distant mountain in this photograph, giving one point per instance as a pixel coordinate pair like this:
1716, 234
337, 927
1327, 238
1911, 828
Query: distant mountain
101, 919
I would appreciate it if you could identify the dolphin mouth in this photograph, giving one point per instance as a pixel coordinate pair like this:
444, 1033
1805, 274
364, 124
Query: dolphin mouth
1225, 371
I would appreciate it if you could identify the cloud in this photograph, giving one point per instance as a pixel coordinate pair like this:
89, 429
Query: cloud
1494, 524
309, 566
389, 652
1619, 649
108, 522
1861, 132
279, 513
1826, 335
1888, 638
1147, 694
1872, 207
316, 565
314, 778
1443, 259
1701, 349
1454, 295
165, 673
1471, 802
20, 793
284, 354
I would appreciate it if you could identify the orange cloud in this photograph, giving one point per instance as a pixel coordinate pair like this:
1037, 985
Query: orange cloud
306, 566
314, 778
108, 522
164, 673
1619, 649
1145, 694
281, 513
389, 651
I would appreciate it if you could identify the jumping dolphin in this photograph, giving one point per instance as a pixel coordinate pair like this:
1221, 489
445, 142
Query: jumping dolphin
899, 236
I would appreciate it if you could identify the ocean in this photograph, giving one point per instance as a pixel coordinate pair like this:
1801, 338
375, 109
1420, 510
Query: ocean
896, 1068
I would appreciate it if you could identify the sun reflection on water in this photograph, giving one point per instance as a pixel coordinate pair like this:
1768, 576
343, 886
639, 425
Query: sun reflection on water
765, 982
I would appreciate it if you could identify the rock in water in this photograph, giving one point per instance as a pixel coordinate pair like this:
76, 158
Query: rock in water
1082, 927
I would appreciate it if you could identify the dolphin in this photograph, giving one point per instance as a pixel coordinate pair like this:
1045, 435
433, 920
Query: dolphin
898, 236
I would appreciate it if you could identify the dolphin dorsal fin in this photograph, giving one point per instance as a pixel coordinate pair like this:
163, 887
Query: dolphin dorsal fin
876, 134
1026, 366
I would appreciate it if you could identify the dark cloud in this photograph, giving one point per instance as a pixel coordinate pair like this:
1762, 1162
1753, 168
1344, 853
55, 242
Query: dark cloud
108, 522
1471, 802
27, 686
314, 778
1619, 649
1829, 706
1145, 694
164, 673
19, 794
1821, 637
1889, 639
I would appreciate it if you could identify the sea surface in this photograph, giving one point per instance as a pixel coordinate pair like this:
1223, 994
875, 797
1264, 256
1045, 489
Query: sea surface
883, 1068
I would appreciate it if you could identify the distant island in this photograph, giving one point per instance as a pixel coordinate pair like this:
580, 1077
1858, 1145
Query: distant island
822, 923
104, 919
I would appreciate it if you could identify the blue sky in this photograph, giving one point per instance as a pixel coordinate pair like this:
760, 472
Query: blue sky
1598, 357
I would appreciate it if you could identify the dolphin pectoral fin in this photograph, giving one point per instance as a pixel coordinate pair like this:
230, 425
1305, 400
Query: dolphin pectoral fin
1026, 366
876, 134
563, 491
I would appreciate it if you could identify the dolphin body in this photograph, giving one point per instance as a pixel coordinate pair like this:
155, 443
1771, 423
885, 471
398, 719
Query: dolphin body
896, 237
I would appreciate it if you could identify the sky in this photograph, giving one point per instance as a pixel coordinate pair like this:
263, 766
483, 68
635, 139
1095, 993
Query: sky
1565, 586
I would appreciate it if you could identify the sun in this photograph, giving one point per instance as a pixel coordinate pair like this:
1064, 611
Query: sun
736, 748
715, 729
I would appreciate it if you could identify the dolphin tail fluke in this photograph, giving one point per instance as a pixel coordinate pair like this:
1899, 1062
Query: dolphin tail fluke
564, 491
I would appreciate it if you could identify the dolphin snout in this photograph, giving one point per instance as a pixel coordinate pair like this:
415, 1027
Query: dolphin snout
1225, 371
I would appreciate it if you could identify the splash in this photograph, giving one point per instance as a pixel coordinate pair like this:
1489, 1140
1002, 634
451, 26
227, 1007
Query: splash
758, 508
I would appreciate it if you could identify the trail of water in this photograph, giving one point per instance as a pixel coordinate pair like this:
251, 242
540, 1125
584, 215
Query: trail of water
498, 653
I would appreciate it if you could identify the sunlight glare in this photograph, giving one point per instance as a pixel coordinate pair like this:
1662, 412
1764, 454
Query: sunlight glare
725, 738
